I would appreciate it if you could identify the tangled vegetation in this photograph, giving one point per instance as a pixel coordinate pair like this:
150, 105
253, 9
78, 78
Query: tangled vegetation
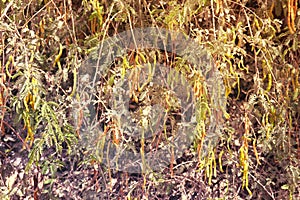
254, 46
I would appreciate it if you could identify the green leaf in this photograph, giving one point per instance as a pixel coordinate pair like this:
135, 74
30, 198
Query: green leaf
285, 187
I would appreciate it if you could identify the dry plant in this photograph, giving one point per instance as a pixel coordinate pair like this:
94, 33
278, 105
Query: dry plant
254, 45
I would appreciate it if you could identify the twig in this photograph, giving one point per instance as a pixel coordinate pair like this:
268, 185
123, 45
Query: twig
271, 195
213, 18
6, 9
35, 14
17, 134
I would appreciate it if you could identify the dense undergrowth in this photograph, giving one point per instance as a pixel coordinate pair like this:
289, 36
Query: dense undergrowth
255, 47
